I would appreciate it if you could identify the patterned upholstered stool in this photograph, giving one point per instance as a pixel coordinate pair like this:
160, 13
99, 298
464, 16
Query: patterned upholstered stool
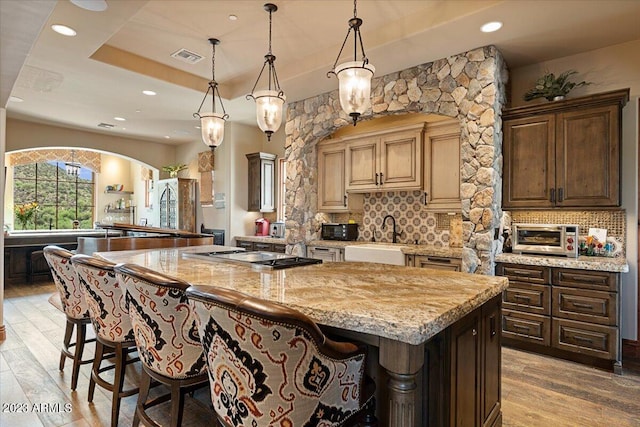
270, 365
106, 301
165, 331
74, 307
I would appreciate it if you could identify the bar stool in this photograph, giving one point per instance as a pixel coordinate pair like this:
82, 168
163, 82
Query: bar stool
74, 307
114, 334
271, 365
165, 331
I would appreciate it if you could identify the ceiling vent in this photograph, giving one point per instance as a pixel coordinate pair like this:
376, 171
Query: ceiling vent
106, 125
187, 56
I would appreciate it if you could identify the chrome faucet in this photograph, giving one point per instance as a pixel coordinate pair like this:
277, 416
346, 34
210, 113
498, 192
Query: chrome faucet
393, 222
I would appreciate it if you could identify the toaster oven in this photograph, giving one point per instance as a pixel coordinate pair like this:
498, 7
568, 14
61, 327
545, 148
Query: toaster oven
546, 239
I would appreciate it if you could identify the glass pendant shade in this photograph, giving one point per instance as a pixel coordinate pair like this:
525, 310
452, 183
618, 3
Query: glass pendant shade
355, 86
212, 127
269, 107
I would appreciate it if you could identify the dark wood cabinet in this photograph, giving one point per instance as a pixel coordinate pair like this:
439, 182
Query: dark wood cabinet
564, 153
262, 176
569, 313
260, 246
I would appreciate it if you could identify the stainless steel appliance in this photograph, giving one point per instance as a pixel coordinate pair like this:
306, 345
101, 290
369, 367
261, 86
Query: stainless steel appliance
277, 229
546, 239
259, 260
177, 203
345, 232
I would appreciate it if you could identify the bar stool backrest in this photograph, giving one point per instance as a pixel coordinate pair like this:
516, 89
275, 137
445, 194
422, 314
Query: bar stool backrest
66, 281
105, 298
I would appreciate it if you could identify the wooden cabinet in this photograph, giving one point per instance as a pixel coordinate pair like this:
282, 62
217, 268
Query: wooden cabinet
569, 313
383, 161
442, 166
262, 176
260, 246
326, 254
475, 360
564, 153
332, 192
437, 262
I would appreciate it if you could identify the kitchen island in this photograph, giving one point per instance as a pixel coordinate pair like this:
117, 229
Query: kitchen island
434, 336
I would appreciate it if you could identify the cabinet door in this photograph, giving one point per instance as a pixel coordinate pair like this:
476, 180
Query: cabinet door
465, 372
442, 167
261, 185
362, 165
588, 157
331, 178
401, 160
247, 245
325, 254
491, 363
529, 162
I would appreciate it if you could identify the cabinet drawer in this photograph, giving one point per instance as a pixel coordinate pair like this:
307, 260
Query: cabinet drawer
598, 280
594, 340
279, 248
528, 298
263, 247
526, 327
585, 305
245, 244
529, 273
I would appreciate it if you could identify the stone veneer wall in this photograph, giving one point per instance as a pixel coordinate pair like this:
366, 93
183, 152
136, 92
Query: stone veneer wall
468, 86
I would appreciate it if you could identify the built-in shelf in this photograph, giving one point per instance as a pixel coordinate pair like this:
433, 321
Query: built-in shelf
125, 210
117, 192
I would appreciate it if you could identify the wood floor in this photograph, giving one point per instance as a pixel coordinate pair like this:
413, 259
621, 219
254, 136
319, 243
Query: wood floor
537, 391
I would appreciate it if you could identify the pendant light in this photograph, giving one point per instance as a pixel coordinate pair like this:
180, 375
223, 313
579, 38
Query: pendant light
269, 102
73, 168
212, 123
354, 77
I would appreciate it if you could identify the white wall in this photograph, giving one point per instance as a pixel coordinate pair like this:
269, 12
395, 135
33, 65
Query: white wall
610, 68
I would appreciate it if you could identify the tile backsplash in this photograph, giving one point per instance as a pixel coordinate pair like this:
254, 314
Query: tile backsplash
412, 219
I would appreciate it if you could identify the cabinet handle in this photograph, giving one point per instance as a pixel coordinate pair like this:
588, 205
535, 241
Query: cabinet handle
425, 198
322, 249
345, 200
560, 195
581, 305
377, 178
474, 332
553, 195
579, 338
439, 259
381, 182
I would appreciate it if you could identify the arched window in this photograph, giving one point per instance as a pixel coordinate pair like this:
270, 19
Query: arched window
61, 198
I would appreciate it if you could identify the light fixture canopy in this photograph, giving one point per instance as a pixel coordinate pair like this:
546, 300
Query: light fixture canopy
354, 76
269, 102
72, 168
212, 123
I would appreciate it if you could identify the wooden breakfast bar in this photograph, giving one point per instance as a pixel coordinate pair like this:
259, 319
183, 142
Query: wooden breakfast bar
434, 336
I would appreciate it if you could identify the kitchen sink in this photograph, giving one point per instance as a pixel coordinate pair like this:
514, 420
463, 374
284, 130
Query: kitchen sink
375, 252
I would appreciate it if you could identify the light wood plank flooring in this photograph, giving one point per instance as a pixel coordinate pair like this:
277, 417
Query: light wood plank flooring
537, 391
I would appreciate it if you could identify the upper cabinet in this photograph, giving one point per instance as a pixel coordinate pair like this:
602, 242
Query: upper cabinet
262, 176
442, 166
384, 161
564, 153
332, 193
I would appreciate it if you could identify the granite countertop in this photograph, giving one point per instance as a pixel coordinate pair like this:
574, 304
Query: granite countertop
407, 249
262, 239
614, 265
395, 302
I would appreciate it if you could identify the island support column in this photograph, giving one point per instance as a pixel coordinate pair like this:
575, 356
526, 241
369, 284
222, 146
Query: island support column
402, 362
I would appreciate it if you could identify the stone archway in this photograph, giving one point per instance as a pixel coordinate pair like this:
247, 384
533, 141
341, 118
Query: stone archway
470, 87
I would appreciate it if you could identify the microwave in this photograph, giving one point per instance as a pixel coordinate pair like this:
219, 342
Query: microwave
345, 232
546, 239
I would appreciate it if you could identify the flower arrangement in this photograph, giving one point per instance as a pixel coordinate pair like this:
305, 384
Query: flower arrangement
25, 212
174, 169
550, 87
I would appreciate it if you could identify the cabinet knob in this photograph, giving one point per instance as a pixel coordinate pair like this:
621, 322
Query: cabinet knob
474, 331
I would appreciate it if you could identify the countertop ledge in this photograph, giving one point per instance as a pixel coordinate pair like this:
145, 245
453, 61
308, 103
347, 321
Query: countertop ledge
613, 265
407, 249
262, 239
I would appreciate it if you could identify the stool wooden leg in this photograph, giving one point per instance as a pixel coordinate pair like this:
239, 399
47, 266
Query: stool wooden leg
68, 332
118, 383
95, 369
145, 385
81, 332
177, 403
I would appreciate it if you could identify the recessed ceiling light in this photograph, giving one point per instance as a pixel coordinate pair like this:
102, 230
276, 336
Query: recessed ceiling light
138, 111
197, 127
64, 30
92, 5
120, 119
167, 136
490, 27
15, 99
233, 17
149, 92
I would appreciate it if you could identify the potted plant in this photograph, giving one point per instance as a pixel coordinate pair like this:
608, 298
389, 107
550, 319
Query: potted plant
174, 169
553, 88
25, 212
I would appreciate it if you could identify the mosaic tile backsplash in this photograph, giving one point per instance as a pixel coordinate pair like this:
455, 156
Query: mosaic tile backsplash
412, 219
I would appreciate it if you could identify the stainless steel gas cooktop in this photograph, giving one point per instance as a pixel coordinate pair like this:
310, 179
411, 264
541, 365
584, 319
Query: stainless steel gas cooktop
266, 260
